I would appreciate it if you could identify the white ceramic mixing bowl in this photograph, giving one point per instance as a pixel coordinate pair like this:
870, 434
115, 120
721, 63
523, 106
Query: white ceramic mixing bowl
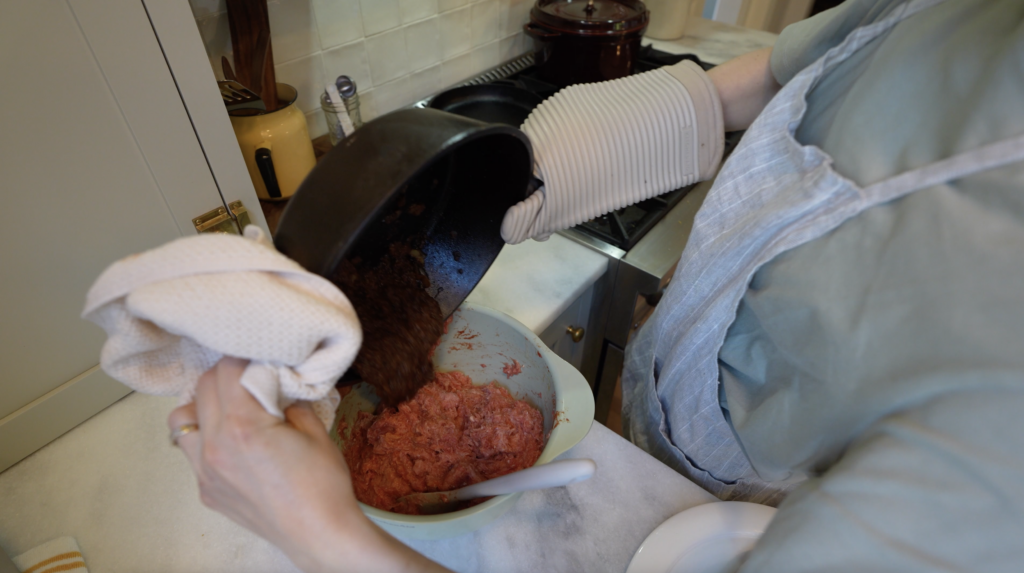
481, 342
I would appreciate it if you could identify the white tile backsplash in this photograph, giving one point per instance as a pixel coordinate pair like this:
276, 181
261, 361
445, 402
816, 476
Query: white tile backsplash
338, 22
349, 60
397, 51
368, 106
456, 37
457, 69
293, 29
423, 43
415, 10
485, 57
388, 57
392, 95
512, 14
484, 22
306, 75
513, 46
380, 15
425, 82
446, 5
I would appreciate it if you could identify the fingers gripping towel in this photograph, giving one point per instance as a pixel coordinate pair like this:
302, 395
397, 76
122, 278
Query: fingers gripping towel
172, 312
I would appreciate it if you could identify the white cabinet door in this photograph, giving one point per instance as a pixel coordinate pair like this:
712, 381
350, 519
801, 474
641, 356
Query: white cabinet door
99, 160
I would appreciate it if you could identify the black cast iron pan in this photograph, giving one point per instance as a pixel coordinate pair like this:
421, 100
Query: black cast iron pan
416, 174
499, 102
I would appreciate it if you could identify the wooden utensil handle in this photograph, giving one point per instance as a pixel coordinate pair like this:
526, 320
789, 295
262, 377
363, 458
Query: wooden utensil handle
254, 63
259, 58
229, 74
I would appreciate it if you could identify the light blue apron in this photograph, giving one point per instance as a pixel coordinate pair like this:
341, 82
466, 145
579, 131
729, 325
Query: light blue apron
773, 194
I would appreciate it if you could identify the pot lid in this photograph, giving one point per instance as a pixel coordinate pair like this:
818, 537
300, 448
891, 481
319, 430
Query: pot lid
586, 17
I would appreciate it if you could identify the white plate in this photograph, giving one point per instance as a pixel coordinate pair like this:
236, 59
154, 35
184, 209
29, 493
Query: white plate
711, 538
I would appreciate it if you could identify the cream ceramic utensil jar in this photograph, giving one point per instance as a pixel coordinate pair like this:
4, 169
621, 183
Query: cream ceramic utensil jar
276, 146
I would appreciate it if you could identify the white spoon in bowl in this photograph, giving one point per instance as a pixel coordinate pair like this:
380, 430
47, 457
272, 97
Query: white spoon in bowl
552, 474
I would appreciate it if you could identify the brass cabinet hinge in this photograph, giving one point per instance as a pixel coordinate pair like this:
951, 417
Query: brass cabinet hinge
221, 220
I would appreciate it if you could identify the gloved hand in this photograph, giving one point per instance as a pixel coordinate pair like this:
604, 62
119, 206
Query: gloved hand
600, 147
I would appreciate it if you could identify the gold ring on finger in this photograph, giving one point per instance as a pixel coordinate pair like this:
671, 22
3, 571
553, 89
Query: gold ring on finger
181, 431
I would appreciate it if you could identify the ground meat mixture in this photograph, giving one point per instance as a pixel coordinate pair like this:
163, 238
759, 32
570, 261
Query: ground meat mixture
513, 369
451, 434
401, 322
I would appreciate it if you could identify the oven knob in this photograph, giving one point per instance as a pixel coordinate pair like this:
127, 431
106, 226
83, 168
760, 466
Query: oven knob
576, 332
654, 299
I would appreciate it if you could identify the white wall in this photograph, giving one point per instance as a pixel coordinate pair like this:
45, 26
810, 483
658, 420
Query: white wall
397, 51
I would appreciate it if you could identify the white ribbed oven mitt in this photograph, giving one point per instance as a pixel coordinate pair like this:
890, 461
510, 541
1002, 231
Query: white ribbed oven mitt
172, 312
602, 146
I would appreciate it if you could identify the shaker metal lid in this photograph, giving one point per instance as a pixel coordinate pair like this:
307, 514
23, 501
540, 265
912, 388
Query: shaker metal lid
346, 86
423, 175
591, 17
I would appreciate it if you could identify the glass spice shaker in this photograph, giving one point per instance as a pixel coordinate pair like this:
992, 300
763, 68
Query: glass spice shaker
341, 109
339, 125
347, 89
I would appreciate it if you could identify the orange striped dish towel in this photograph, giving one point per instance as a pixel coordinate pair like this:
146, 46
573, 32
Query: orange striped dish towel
54, 556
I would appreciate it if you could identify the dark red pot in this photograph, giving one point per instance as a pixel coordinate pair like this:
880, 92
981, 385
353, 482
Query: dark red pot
581, 41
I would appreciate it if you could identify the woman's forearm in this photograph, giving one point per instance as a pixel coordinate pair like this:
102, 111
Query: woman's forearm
745, 85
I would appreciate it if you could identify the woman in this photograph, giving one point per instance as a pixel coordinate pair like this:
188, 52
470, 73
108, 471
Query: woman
844, 326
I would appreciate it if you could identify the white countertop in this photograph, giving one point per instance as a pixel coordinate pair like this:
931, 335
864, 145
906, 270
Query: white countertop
714, 42
536, 281
130, 499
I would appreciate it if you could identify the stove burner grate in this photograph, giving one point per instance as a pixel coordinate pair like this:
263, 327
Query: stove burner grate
625, 227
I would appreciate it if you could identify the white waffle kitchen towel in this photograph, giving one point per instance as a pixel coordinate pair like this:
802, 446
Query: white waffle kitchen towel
61, 554
172, 312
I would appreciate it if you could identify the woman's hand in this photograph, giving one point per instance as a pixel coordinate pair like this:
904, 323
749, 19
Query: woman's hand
284, 480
